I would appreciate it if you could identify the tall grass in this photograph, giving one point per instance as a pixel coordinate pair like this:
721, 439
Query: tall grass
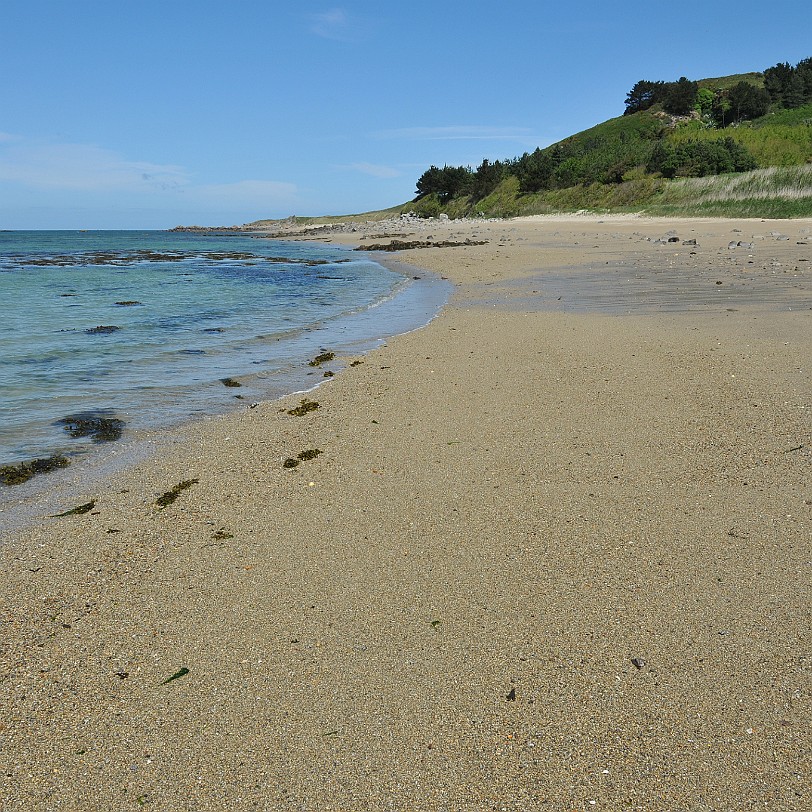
774, 183
776, 192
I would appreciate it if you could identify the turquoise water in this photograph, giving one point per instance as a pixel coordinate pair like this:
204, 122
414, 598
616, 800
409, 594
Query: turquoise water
178, 312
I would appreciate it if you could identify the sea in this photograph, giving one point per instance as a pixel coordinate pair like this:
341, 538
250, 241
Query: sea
149, 329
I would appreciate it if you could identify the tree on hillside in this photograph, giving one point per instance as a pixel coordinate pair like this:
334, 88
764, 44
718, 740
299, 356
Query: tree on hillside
677, 98
804, 70
704, 101
680, 96
794, 92
448, 182
777, 80
535, 170
747, 102
643, 95
487, 177
429, 181
721, 110
789, 86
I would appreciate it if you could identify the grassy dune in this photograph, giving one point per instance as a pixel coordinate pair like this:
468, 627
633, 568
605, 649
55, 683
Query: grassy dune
778, 191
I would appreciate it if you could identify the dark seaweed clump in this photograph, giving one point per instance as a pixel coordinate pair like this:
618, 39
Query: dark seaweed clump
321, 359
304, 407
171, 495
229, 382
127, 257
100, 429
177, 675
404, 245
23, 471
79, 510
310, 454
103, 329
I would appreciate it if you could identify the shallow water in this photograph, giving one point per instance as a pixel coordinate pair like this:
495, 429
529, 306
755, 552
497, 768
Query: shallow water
143, 326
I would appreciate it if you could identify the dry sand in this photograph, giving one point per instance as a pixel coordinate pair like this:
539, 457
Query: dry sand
549, 558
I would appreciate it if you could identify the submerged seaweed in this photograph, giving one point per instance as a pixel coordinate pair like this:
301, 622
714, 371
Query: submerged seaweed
23, 471
321, 359
118, 258
89, 424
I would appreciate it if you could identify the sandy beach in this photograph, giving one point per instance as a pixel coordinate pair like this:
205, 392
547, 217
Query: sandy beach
555, 553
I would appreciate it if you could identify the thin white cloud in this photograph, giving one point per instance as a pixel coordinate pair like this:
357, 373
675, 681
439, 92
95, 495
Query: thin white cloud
82, 167
331, 24
459, 133
44, 166
375, 170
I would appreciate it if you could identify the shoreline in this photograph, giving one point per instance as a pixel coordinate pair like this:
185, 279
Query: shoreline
413, 302
544, 559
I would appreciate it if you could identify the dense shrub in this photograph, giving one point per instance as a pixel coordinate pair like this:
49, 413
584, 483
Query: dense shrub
695, 159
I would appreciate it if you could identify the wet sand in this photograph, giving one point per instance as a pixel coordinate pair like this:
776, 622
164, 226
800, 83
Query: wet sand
548, 558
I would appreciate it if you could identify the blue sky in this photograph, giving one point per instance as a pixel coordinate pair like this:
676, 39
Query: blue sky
151, 114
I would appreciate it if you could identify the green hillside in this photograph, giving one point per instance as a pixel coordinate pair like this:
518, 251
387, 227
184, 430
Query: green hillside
692, 147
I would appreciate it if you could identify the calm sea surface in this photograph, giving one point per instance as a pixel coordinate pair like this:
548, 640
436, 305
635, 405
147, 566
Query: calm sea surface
143, 326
